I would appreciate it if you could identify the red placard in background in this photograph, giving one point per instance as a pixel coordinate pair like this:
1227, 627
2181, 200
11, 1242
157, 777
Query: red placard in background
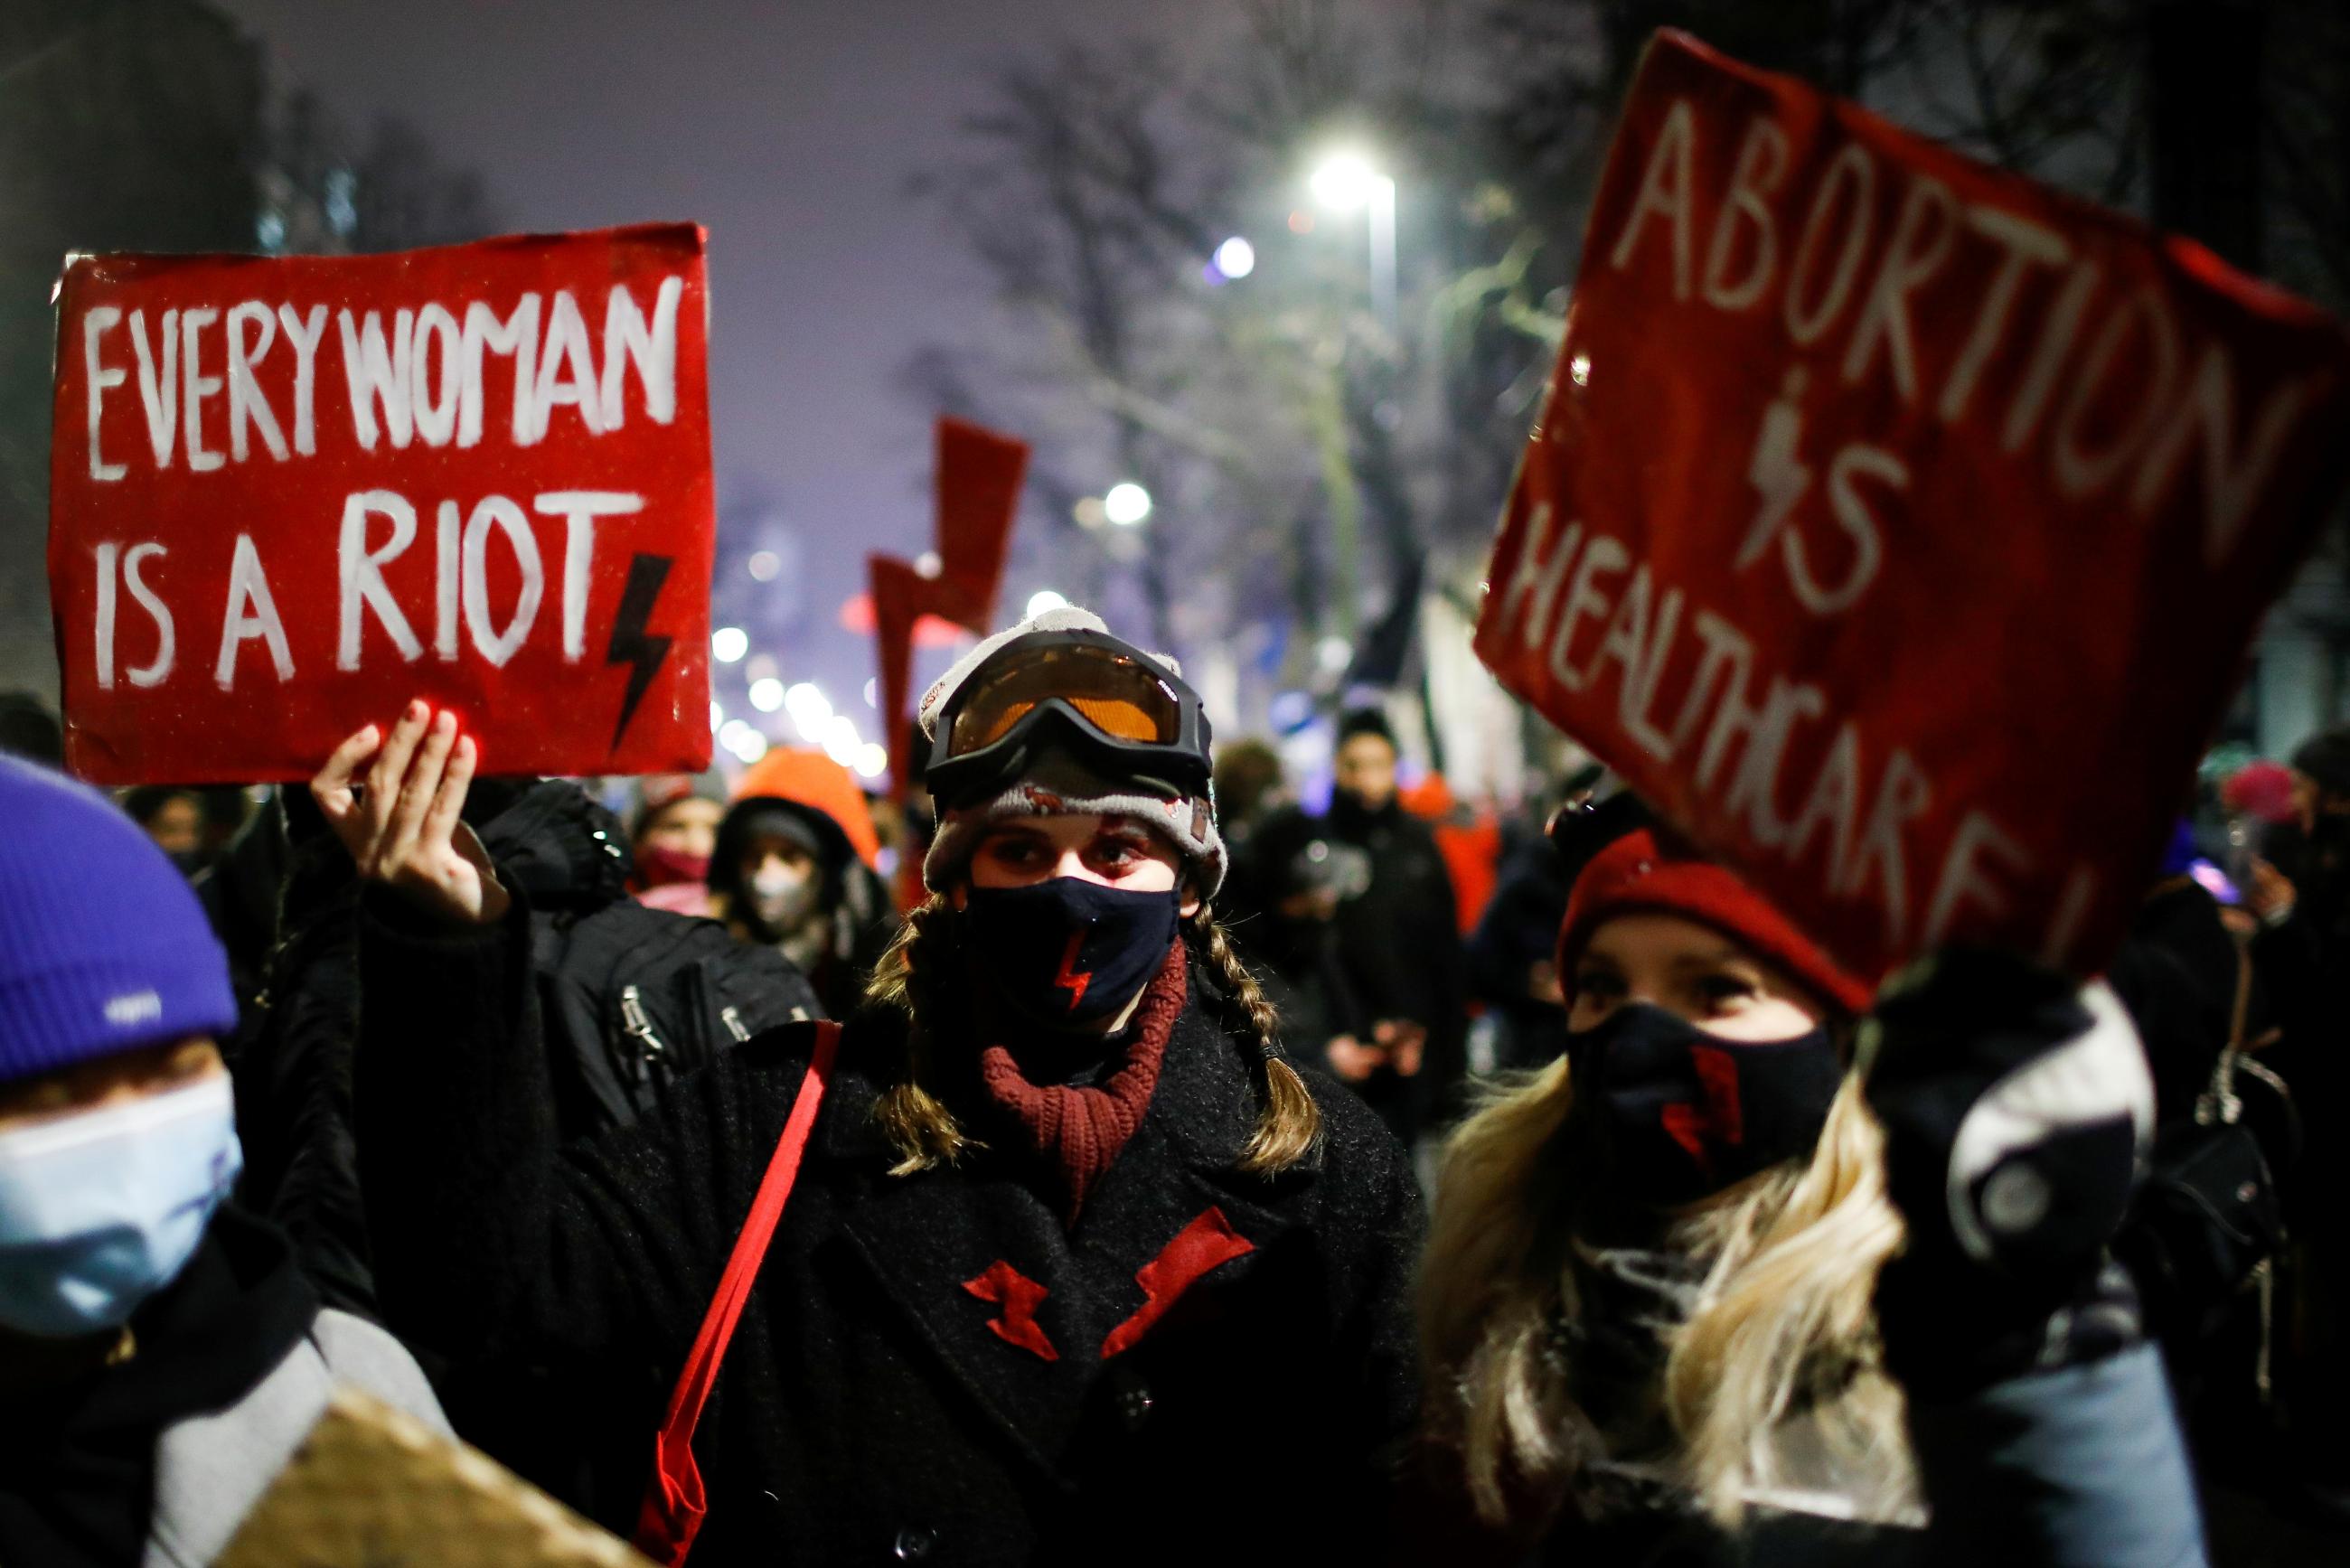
979, 474
288, 495
1897, 525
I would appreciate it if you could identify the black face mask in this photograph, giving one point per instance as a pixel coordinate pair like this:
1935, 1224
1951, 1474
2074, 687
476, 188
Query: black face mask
1686, 1114
1068, 952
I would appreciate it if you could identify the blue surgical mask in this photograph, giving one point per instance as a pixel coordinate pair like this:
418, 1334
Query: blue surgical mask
101, 1209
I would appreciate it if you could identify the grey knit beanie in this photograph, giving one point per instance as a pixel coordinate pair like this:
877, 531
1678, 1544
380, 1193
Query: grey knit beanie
1057, 785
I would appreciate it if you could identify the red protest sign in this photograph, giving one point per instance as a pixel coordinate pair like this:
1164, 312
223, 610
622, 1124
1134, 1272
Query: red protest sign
978, 482
288, 495
1897, 525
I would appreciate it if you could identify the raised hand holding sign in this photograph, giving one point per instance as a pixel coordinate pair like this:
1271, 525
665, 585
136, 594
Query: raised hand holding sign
400, 820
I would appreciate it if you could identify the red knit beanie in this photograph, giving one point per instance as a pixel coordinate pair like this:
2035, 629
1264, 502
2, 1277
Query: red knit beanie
1637, 874
2261, 789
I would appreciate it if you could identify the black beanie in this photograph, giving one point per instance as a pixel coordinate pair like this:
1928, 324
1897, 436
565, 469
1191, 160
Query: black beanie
1365, 722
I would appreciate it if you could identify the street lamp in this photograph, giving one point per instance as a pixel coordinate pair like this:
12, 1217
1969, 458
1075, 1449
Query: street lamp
1126, 503
1235, 258
1345, 180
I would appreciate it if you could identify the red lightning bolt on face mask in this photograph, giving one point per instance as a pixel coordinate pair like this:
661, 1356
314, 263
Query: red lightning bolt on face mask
1068, 950
1065, 979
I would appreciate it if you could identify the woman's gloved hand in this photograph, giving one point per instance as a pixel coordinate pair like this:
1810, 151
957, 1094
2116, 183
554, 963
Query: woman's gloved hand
2017, 1108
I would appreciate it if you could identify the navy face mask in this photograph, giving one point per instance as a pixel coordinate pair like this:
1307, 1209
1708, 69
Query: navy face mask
1068, 952
1685, 1113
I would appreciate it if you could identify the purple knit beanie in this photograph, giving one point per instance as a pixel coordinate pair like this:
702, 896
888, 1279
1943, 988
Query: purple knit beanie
103, 948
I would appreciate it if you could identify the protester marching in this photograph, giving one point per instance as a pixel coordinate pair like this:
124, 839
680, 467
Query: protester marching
1778, 1002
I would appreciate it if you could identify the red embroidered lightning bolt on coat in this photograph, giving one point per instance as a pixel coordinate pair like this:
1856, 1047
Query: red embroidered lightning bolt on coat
1208, 1366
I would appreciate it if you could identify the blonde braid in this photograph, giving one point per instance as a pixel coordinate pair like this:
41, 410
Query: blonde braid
1288, 1123
906, 981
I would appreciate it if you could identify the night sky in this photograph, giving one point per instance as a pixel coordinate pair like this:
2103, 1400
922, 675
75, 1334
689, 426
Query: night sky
790, 130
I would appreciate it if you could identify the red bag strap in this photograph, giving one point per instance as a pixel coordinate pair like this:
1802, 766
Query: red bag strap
675, 1502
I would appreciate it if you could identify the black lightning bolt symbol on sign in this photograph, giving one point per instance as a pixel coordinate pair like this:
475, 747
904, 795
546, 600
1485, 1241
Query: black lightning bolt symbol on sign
629, 644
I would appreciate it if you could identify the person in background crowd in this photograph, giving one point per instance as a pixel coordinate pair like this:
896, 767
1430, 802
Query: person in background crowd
1652, 1303
631, 1000
2302, 953
1512, 953
2200, 1228
1400, 937
1076, 1269
792, 868
1304, 876
2178, 973
1251, 787
241, 890
671, 840
174, 817
2264, 829
1468, 837
161, 1354
2260, 791
226, 809
1251, 784
30, 731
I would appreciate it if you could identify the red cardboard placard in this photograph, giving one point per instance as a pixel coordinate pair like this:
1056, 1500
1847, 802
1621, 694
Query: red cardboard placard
289, 493
978, 476
1897, 525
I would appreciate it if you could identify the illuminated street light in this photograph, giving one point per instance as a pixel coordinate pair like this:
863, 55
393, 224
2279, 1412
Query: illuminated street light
810, 711
767, 695
840, 741
1127, 503
744, 741
729, 644
1345, 180
1045, 599
1235, 257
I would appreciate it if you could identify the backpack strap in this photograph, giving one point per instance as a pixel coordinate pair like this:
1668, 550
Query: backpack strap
675, 1502
2218, 1102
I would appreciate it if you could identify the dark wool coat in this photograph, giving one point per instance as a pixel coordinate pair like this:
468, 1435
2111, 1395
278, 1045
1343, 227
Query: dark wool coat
1400, 940
1211, 1366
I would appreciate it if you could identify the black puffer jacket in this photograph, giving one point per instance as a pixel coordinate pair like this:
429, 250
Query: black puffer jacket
874, 1402
633, 998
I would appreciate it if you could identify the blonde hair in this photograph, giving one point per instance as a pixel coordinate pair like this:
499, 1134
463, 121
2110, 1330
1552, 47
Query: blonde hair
910, 981
1783, 1325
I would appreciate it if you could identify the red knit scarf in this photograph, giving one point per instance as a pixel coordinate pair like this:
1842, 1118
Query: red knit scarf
1079, 1130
